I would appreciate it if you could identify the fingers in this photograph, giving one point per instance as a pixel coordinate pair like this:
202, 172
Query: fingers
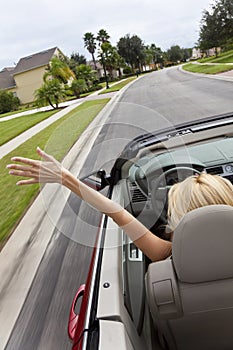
45, 171
33, 162
44, 155
23, 173
23, 160
20, 167
26, 182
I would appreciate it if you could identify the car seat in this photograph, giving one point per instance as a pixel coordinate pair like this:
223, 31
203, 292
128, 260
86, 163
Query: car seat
190, 295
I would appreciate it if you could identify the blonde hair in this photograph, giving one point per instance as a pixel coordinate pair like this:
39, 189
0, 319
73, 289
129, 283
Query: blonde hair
195, 192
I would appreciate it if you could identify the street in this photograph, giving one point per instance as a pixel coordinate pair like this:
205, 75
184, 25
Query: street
157, 100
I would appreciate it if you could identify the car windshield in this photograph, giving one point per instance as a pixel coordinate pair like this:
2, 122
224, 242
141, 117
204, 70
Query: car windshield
171, 97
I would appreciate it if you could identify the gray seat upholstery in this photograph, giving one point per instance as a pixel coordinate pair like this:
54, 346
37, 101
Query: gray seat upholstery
191, 294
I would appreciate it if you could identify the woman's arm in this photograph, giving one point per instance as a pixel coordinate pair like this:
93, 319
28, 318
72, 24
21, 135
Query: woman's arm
51, 171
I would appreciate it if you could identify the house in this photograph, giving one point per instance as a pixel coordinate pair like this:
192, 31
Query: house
27, 76
197, 53
7, 81
98, 67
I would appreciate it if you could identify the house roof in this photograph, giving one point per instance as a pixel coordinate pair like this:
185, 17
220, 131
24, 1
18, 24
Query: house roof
6, 78
92, 65
36, 60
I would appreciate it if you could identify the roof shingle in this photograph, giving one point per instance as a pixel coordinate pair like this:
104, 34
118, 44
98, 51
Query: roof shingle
34, 61
6, 78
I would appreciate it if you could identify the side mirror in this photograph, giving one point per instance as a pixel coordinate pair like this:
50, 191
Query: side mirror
97, 180
73, 318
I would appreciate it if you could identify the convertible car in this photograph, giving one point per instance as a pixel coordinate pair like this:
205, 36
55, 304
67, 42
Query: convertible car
186, 301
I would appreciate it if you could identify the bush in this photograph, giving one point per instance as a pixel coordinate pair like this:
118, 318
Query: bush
103, 79
127, 70
8, 102
95, 88
228, 46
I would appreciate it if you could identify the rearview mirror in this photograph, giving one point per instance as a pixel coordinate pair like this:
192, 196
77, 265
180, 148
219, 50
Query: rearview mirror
97, 180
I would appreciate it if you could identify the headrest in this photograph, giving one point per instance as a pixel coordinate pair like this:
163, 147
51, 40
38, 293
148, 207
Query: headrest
202, 248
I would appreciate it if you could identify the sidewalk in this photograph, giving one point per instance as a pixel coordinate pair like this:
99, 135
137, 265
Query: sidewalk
26, 135
228, 74
69, 106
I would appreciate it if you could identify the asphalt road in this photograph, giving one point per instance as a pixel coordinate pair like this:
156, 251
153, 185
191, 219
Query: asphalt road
157, 100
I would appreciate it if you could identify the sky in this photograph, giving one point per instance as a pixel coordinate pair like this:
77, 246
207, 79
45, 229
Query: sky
28, 27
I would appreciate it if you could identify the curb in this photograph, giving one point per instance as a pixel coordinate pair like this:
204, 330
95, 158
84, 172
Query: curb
210, 76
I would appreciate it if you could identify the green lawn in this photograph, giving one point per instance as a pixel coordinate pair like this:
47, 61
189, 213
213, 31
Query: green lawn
226, 57
57, 139
22, 109
14, 127
207, 69
118, 86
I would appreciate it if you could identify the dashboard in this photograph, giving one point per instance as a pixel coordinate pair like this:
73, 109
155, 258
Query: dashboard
167, 168
224, 170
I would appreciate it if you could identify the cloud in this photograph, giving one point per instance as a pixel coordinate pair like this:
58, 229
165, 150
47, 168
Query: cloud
28, 27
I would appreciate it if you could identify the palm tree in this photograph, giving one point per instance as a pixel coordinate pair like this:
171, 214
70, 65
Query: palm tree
86, 72
51, 92
78, 86
157, 54
59, 70
110, 57
90, 44
103, 36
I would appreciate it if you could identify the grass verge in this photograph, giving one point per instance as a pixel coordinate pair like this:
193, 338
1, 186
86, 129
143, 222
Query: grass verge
118, 86
60, 136
14, 127
20, 110
225, 57
207, 69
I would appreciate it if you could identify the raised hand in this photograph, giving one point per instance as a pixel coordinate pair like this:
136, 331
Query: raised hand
47, 170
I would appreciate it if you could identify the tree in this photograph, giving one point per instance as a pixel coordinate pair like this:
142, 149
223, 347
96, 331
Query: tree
85, 72
187, 53
216, 25
75, 60
111, 58
208, 36
90, 44
103, 36
153, 55
78, 86
223, 13
8, 102
119, 62
148, 56
175, 53
132, 50
59, 70
51, 92
158, 55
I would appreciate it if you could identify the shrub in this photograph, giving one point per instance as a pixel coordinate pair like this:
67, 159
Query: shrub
127, 70
95, 88
8, 102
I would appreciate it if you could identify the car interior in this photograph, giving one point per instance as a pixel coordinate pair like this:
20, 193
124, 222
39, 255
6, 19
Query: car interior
186, 301
190, 295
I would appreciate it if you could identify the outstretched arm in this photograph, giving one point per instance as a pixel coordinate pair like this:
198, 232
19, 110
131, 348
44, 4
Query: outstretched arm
49, 170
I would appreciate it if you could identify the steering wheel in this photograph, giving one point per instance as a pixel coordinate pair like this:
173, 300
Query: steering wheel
160, 190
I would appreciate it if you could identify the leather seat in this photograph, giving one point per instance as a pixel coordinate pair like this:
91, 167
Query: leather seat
190, 295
